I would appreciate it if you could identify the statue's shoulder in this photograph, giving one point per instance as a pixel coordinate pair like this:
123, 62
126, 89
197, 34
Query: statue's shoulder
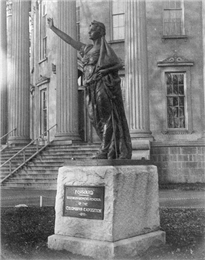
85, 48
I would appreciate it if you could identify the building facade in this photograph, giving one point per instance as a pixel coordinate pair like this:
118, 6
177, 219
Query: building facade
162, 47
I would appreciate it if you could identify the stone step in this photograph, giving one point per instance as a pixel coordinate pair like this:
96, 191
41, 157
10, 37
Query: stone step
72, 149
69, 153
42, 171
62, 157
43, 186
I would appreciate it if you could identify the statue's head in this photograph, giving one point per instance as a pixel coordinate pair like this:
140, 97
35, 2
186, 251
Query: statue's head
99, 26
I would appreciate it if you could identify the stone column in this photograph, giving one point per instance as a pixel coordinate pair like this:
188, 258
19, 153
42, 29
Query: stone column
203, 42
19, 88
137, 69
66, 90
3, 70
136, 78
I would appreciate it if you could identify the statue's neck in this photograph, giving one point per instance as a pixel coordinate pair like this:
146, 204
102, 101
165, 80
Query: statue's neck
97, 42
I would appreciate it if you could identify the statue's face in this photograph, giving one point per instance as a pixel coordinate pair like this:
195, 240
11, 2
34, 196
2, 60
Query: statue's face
94, 32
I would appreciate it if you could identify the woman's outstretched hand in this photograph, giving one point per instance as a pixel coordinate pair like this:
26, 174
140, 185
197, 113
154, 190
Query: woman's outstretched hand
65, 37
50, 23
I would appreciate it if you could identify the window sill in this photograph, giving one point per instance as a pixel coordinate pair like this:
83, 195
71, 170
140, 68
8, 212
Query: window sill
177, 132
173, 37
116, 41
41, 61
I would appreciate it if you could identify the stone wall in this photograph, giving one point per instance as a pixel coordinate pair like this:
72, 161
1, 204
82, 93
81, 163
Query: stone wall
179, 163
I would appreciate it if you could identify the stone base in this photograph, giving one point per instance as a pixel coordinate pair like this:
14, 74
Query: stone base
127, 220
122, 249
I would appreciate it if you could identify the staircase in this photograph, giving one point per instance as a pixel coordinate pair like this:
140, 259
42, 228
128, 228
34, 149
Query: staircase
41, 172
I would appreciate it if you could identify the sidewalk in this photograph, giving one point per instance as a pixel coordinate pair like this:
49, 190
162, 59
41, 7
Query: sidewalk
167, 198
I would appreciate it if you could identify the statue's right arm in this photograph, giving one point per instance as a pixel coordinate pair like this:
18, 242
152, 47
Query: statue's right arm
65, 37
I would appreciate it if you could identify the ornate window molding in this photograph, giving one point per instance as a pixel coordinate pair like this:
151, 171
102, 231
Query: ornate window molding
176, 66
42, 80
175, 61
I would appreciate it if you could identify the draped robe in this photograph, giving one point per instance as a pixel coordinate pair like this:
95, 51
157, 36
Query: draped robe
104, 101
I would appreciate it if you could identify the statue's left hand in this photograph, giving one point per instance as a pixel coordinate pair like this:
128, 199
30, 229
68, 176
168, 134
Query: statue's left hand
102, 73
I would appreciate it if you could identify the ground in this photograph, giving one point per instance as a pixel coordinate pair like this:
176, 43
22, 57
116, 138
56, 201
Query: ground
25, 231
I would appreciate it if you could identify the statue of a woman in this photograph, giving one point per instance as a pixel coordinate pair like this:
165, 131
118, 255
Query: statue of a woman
103, 92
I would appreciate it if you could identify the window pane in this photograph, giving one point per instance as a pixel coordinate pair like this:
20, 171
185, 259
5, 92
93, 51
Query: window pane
118, 27
169, 89
43, 112
182, 123
116, 21
181, 89
44, 47
78, 22
181, 101
43, 26
121, 20
115, 7
172, 4
121, 33
181, 79
118, 7
115, 34
175, 100
172, 19
178, 3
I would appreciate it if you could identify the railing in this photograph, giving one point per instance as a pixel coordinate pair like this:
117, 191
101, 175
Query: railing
6, 136
23, 151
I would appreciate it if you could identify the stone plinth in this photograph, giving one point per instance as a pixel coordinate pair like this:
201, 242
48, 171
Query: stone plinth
131, 211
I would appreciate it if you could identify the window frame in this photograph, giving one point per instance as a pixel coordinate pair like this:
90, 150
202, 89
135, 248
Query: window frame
42, 37
187, 100
111, 19
174, 36
78, 22
43, 89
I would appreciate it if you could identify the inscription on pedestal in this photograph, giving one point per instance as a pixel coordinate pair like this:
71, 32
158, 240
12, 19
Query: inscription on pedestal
84, 202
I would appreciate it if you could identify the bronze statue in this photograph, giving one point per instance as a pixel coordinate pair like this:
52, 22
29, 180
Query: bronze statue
103, 92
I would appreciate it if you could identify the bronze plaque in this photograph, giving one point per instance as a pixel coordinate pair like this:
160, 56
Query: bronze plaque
84, 202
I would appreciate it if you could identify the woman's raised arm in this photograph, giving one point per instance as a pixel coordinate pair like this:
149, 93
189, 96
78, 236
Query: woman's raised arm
75, 44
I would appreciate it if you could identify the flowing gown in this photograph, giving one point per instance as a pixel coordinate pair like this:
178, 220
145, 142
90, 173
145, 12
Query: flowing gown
104, 102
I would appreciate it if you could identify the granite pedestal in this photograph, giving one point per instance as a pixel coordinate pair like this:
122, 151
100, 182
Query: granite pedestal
128, 222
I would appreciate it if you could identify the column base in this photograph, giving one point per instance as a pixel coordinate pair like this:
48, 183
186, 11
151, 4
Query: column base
140, 149
107, 250
146, 135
